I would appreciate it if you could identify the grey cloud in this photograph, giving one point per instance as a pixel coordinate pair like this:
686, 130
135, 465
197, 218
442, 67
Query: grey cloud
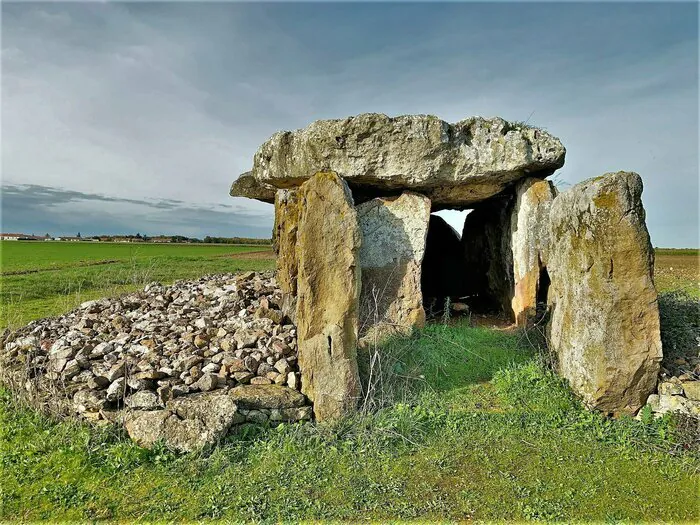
166, 103
38, 209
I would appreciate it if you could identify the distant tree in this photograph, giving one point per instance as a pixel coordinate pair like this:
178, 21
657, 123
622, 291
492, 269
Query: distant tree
47, 236
78, 236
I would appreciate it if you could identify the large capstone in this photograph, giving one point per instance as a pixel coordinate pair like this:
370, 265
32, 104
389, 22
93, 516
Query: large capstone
529, 233
394, 232
604, 326
328, 289
455, 165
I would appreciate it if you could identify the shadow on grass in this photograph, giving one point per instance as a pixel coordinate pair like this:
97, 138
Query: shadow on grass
436, 359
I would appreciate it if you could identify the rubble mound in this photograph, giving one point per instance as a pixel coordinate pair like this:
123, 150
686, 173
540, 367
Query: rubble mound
181, 363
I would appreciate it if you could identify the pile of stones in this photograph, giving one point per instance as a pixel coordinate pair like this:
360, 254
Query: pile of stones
679, 387
115, 359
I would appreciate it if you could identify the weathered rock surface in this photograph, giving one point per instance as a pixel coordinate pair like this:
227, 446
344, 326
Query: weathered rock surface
529, 234
285, 239
247, 186
394, 232
604, 325
453, 164
328, 289
188, 423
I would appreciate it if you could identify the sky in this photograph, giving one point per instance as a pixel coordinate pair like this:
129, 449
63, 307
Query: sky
137, 117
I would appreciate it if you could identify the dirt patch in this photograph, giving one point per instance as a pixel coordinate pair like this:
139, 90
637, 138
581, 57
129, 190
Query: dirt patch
263, 254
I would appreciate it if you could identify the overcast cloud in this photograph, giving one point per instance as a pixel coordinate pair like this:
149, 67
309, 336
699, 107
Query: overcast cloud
137, 117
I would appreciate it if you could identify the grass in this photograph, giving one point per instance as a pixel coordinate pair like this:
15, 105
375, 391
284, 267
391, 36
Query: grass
474, 427
47, 278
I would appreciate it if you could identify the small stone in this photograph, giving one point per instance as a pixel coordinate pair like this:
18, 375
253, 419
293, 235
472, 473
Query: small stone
180, 390
670, 389
260, 381
140, 384
251, 363
88, 400
116, 390
211, 368
202, 323
246, 339
257, 417
264, 369
71, 369
282, 366
97, 382
692, 390
207, 383
116, 371
293, 380
243, 377
201, 340
144, 400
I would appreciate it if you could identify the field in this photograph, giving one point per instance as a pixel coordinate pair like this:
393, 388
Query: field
46, 278
477, 428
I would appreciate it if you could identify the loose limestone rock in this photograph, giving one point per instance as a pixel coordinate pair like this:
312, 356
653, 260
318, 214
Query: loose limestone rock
529, 233
394, 232
328, 288
453, 164
604, 325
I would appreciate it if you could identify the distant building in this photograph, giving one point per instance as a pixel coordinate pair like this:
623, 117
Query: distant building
11, 236
19, 237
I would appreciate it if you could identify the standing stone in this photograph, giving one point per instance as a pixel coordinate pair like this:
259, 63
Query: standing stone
604, 326
285, 239
529, 230
328, 289
394, 232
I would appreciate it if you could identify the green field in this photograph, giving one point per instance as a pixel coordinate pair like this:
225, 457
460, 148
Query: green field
473, 427
47, 278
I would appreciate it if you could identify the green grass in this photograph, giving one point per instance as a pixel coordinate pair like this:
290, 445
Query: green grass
473, 427
63, 274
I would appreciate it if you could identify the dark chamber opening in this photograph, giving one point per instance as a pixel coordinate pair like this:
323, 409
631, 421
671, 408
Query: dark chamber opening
443, 270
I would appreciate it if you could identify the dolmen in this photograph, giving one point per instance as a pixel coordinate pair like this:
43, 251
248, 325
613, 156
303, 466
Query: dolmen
360, 253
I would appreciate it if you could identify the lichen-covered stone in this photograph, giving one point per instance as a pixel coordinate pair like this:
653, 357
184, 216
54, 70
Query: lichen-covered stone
285, 239
529, 234
394, 232
604, 325
247, 186
328, 289
453, 164
266, 396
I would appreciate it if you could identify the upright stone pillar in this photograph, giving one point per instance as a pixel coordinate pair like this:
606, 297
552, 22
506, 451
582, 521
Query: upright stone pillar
285, 239
604, 325
328, 289
394, 232
529, 232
